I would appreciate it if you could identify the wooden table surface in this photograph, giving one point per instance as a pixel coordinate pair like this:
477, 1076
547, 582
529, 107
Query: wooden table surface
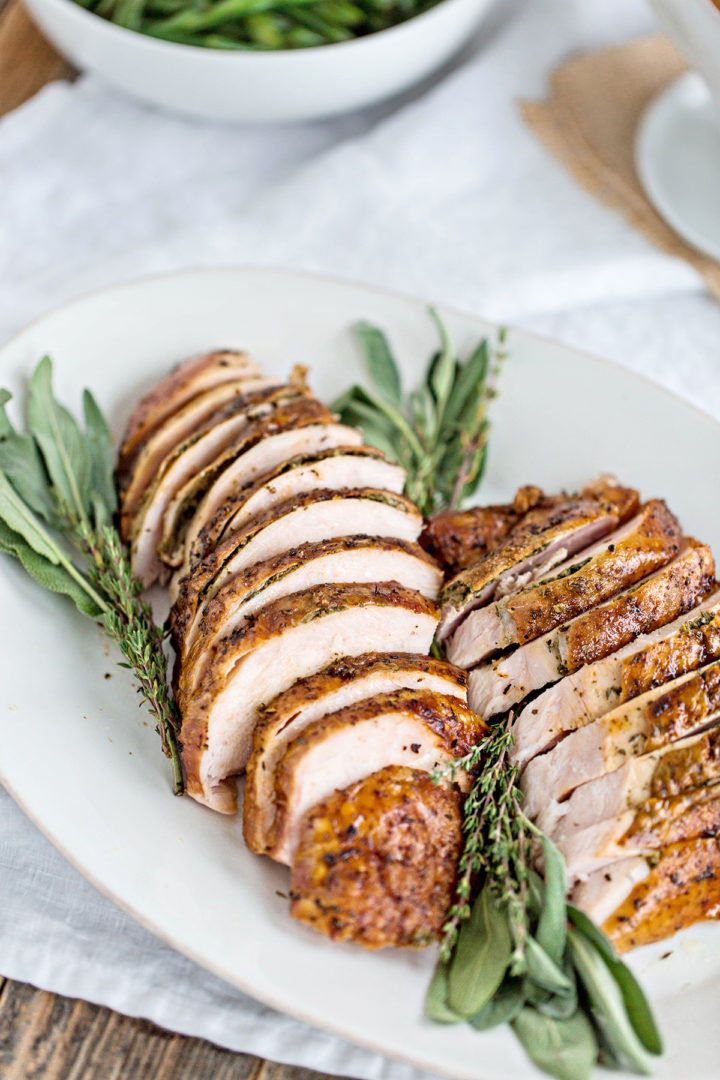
44, 1036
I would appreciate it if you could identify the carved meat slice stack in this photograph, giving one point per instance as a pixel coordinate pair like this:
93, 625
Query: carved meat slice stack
303, 614
607, 656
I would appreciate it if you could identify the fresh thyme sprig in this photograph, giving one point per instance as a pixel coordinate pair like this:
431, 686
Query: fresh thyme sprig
496, 841
514, 951
57, 500
439, 431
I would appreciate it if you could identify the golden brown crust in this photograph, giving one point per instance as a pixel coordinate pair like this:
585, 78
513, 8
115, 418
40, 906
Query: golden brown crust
624, 501
272, 620
537, 531
456, 727
460, 538
683, 887
195, 585
658, 600
283, 713
687, 766
260, 401
540, 608
171, 393
683, 708
214, 531
377, 862
659, 823
281, 710
696, 644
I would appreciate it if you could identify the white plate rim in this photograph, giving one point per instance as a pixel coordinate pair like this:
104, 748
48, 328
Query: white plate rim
156, 928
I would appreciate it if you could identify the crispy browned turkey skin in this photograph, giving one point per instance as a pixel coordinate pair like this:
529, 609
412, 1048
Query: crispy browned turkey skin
344, 682
376, 862
185, 382
302, 602
303, 616
289, 639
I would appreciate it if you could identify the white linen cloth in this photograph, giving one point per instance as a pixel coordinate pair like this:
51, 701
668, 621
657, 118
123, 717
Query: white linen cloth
444, 194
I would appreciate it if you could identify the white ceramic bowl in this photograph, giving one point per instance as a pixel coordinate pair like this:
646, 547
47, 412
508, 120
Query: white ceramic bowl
257, 87
694, 26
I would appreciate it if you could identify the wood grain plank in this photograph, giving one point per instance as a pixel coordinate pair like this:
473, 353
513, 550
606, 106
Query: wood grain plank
47, 1037
27, 60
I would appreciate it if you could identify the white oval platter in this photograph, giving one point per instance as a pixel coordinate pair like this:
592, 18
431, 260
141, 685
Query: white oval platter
84, 763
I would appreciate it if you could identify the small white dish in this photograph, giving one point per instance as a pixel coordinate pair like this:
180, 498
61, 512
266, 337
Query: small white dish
677, 156
260, 87
85, 764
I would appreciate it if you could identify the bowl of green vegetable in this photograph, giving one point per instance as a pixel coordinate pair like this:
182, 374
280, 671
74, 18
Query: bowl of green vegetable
259, 60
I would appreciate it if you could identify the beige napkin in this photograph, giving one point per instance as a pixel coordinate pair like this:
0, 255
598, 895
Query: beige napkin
589, 123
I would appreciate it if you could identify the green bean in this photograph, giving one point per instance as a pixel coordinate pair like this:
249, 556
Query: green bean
256, 25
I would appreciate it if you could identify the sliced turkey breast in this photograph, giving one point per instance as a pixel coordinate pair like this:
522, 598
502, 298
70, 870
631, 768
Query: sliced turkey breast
311, 518
208, 438
189, 503
647, 723
343, 683
496, 686
347, 559
650, 540
287, 640
661, 774
336, 468
545, 537
376, 862
639, 901
415, 728
184, 382
656, 824
595, 689
224, 428
175, 429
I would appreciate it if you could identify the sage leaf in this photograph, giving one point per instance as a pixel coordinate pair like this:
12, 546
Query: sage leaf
442, 368
6, 427
380, 362
481, 958
48, 574
422, 405
468, 387
21, 462
636, 1004
503, 1006
21, 519
436, 1006
566, 1049
552, 924
345, 401
607, 1004
562, 1006
543, 970
63, 446
101, 453
376, 429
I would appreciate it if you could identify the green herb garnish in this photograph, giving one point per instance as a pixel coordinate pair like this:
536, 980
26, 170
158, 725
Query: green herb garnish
514, 951
257, 25
57, 501
439, 432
